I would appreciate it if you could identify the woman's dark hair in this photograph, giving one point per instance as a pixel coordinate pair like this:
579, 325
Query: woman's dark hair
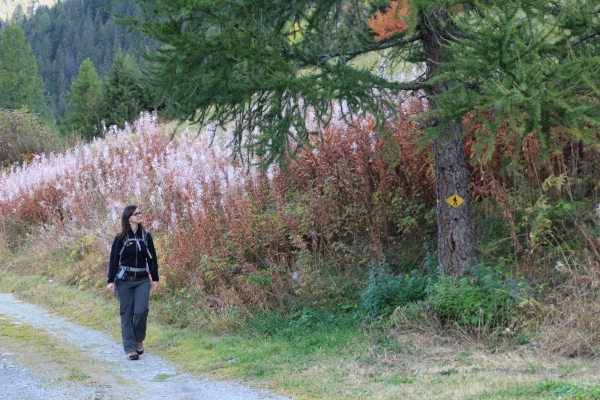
125, 227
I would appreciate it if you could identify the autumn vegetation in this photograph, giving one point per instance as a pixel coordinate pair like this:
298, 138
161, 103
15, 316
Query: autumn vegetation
261, 240
391, 21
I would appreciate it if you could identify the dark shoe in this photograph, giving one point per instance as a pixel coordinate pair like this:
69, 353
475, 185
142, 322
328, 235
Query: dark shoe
140, 348
133, 356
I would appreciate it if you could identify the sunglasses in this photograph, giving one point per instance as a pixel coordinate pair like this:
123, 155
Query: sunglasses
137, 213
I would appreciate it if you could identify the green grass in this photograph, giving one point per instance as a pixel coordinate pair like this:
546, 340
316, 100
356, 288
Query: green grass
77, 375
162, 377
551, 389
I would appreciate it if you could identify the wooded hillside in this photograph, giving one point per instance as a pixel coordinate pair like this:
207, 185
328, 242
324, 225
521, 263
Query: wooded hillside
64, 35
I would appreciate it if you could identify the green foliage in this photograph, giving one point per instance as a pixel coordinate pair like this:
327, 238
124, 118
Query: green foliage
85, 100
20, 81
266, 64
484, 298
386, 291
258, 65
123, 97
535, 64
550, 389
447, 372
545, 214
18, 16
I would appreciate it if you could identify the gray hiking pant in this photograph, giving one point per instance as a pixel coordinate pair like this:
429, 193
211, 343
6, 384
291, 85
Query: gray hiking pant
133, 306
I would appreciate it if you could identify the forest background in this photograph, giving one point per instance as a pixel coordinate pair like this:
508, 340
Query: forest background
342, 241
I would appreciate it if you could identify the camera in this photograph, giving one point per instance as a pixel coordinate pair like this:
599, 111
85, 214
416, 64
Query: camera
121, 274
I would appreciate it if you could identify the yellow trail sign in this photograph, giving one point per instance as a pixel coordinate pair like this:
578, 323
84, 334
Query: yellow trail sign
455, 200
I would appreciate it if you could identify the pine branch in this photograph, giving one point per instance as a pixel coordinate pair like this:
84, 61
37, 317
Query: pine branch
322, 58
586, 37
213, 14
554, 7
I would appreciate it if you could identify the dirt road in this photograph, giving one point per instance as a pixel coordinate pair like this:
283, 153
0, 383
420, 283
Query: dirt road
107, 374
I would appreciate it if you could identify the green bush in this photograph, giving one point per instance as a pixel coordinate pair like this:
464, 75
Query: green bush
386, 291
482, 298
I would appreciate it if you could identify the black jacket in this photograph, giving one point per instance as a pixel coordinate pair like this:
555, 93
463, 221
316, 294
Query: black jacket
133, 257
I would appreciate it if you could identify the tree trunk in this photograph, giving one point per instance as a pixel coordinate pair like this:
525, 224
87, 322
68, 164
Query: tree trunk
457, 244
456, 225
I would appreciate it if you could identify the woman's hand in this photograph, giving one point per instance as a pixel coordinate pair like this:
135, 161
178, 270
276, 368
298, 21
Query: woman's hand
154, 285
110, 287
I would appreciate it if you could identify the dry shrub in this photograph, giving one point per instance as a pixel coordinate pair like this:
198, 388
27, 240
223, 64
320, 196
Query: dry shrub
524, 169
63, 256
416, 317
566, 259
571, 326
357, 183
513, 177
22, 137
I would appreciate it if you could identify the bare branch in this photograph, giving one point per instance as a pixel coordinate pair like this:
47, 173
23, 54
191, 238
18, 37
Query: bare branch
321, 58
386, 45
462, 35
213, 14
413, 86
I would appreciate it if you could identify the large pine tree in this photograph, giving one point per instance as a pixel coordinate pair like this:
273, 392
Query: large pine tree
267, 64
20, 83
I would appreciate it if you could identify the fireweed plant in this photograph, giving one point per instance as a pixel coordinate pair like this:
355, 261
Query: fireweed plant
229, 228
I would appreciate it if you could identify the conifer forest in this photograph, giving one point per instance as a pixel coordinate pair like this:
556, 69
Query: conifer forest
405, 166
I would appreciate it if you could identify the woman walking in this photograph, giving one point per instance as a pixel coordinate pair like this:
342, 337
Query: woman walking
132, 263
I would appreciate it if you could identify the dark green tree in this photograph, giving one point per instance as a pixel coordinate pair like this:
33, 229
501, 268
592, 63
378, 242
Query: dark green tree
85, 101
20, 83
267, 64
123, 97
18, 16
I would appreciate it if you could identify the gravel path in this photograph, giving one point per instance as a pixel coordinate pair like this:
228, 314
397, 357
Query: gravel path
16, 383
154, 377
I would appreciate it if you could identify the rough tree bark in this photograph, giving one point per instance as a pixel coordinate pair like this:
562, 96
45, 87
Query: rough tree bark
456, 224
